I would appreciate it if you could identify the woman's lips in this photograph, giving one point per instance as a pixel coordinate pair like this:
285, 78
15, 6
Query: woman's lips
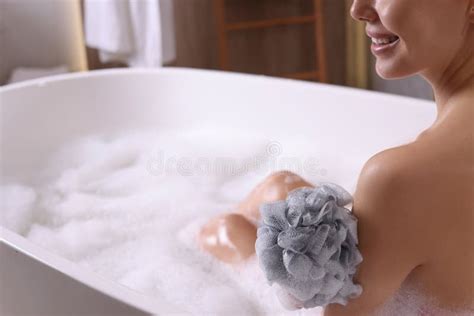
383, 44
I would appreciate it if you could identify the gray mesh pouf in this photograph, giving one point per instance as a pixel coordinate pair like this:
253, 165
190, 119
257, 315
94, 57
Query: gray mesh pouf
307, 244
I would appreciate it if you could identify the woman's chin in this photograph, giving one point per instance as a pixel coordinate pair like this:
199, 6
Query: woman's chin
390, 71
385, 75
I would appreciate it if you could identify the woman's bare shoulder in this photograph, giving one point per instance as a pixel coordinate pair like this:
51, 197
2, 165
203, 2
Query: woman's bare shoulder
395, 193
392, 194
391, 176
388, 230
417, 175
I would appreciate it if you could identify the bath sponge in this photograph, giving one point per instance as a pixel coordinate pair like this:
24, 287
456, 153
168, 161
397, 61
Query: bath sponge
307, 245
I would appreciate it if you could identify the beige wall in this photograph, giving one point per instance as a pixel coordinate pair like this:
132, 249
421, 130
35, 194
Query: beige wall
40, 33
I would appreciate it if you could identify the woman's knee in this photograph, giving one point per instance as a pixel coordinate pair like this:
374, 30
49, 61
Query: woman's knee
273, 188
278, 184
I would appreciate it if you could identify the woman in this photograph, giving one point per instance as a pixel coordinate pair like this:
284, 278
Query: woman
414, 202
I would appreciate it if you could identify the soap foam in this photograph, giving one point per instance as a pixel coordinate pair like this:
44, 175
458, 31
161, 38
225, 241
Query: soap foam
125, 208
17, 205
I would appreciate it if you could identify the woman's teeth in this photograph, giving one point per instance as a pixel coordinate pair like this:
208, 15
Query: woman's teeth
384, 40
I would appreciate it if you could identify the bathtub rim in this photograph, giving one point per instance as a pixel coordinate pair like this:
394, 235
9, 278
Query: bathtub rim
39, 82
87, 277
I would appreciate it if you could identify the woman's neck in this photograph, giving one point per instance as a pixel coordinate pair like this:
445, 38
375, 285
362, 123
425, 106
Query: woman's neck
454, 87
453, 82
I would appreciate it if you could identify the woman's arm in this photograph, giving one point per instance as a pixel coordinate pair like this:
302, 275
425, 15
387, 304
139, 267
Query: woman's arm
390, 229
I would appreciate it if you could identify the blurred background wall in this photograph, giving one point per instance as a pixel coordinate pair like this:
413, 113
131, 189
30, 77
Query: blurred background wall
49, 33
197, 38
40, 33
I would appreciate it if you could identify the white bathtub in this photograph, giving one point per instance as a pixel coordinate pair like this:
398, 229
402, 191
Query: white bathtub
39, 116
